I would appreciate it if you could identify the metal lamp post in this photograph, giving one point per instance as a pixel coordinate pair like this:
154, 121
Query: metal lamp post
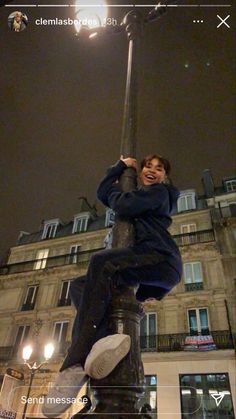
33, 367
119, 393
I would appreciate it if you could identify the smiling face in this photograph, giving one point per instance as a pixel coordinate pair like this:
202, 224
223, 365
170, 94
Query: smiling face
17, 17
152, 173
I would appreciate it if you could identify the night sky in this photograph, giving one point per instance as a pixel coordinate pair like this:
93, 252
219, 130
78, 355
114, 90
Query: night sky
62, 107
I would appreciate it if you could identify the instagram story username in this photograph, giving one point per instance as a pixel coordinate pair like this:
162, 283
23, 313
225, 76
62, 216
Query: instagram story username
69, 22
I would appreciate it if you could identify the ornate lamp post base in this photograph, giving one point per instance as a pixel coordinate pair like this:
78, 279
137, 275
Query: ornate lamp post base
118, 393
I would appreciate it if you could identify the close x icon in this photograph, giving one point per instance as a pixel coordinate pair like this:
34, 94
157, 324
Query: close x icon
223, 21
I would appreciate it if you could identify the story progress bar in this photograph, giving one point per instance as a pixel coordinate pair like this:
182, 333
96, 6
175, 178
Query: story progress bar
117, 5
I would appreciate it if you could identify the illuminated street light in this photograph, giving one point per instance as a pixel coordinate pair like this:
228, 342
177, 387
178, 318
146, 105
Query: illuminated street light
91, 16
27, 352
48, 351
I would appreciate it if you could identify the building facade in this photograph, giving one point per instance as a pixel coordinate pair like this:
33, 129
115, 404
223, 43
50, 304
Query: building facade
187, 339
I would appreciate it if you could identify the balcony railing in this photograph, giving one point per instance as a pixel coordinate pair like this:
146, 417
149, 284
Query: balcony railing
176, 342
6, 353
194, 286
202, 236
15, 351
154, 343
64, 302
50, 262
28, 306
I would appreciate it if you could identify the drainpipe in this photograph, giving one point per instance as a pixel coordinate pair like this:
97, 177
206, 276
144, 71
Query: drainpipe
229, 324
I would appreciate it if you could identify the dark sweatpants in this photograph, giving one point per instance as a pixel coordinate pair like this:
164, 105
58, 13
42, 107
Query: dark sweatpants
91, 294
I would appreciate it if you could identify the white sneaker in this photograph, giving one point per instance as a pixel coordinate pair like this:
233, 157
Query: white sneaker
105, 354
66, 387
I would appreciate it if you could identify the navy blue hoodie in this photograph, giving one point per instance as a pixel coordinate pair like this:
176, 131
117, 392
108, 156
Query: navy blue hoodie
149, 209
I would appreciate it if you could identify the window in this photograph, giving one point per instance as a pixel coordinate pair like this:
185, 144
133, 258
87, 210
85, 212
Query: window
80, 224
30, 298
197, 401
108, 240
198, 321
232, 209
230, 185
22, 334
234, 233
64, 299
50, 231
110, 218
148, 331
193, 276
186, 201
50, 228
188, 229
74, 250
1, 381
60, 331
41, 258
148, 402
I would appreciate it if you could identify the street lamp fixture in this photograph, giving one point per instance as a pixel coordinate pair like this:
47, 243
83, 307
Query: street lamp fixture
27, 352
92, 16
34, 367
48, 351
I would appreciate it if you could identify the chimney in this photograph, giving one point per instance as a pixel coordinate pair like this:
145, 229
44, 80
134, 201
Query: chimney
21, 234
84, 206
208, 184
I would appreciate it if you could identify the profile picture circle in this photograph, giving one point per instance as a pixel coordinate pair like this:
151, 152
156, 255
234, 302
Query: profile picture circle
17, 21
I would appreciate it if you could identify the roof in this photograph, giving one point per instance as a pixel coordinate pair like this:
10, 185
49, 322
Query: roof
63, 230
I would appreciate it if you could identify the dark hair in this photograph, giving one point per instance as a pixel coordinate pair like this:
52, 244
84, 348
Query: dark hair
163, 160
